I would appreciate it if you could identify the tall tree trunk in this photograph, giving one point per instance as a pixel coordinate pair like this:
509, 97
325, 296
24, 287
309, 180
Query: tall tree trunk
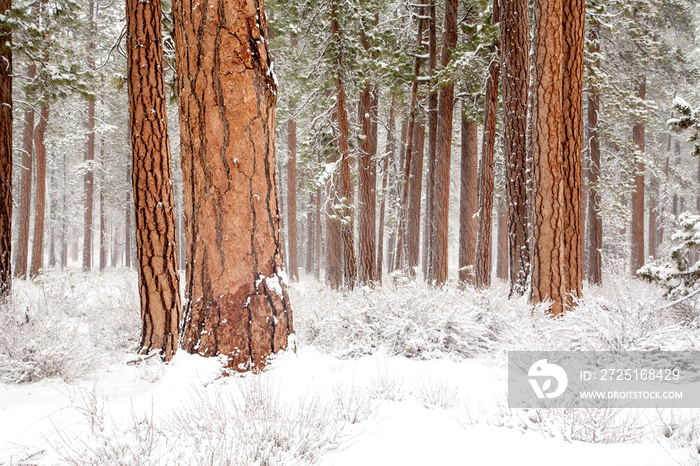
653, 208
237, 302
89, 177
595, 221
367, 222
25, 206
40, 199
502, 242
468, 200
482, 265
64, 216
515, 46
572, 142
310, 232
104, 243
415, 184
637, 252
154, 203
115, 248
347, 228
429, 228
400, 255
388, 162
318, 235
5, 155
546, 145
292, 200
441, 195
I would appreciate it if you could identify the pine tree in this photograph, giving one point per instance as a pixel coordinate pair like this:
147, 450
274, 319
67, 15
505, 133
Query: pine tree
5, 154
237, 302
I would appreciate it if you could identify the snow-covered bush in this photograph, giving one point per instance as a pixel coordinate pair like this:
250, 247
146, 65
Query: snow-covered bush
437, 393
678, 275
60, 323
412, 320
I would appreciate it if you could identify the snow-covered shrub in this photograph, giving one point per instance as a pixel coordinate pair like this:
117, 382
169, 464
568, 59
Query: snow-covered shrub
598, 425
682, 430
437, 393
415, 320
678, 275
353, 403
386, 386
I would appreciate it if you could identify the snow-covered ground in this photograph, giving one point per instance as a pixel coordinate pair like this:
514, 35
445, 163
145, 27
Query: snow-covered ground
405, 375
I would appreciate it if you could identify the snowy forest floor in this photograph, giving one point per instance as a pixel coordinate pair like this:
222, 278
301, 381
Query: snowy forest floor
404, 374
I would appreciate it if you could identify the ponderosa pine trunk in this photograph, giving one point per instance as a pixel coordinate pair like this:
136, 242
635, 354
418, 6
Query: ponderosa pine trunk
40, 198
292, 200
154, 202
653, 207
482, 264
441, 194
428, 229
25, 206
64, 216
237, 303
637, 230
367, 223
572, 112
502, 242
595, 221
468, 200
5, 155
128, 216
310, 233
89, 177
396, 196
546, 145
318, 235
104, 243
415, 185
515, 47
387, 162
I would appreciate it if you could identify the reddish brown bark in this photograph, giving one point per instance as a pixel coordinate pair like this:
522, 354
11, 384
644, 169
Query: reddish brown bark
5, 155
154, 203
22, 247
428, 229
546, 146
571, 262
237, 302
365, 187
415, 184
89, 188
292, 200
482, 264
637, 230
310, 235
40, 198
515, 46
502, 243
441, 195
468, 200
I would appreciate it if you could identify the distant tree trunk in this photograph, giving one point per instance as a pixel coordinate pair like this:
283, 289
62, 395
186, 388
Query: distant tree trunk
318, 235
482, 264
292, 199
53, 210
400, 261
89, 177
653, 207
595, 221
637, 253
515, 46
237, 302
310, 232
154, 203
25, 206
5, 155
40, 199
64, 216
572, 141
415, 185
441, 195
468, 200
104, 243
546, 146
502, 243
428, 229
128, 216
395, 196
388, 161
115, 248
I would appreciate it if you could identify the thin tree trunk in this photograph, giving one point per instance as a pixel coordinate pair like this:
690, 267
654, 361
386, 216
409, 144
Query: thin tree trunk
441, 195
595, 221
104, 243
546, 145
637, 252
292, 200
25, 206
502, 242
40, 198
64, 216
310, 232
154, 203
515, 46
415, 184
428, 229
653, 207
571, 262
468, 200
5, 155
482, 267
89, 177
318, 235
387, 163
237, 302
